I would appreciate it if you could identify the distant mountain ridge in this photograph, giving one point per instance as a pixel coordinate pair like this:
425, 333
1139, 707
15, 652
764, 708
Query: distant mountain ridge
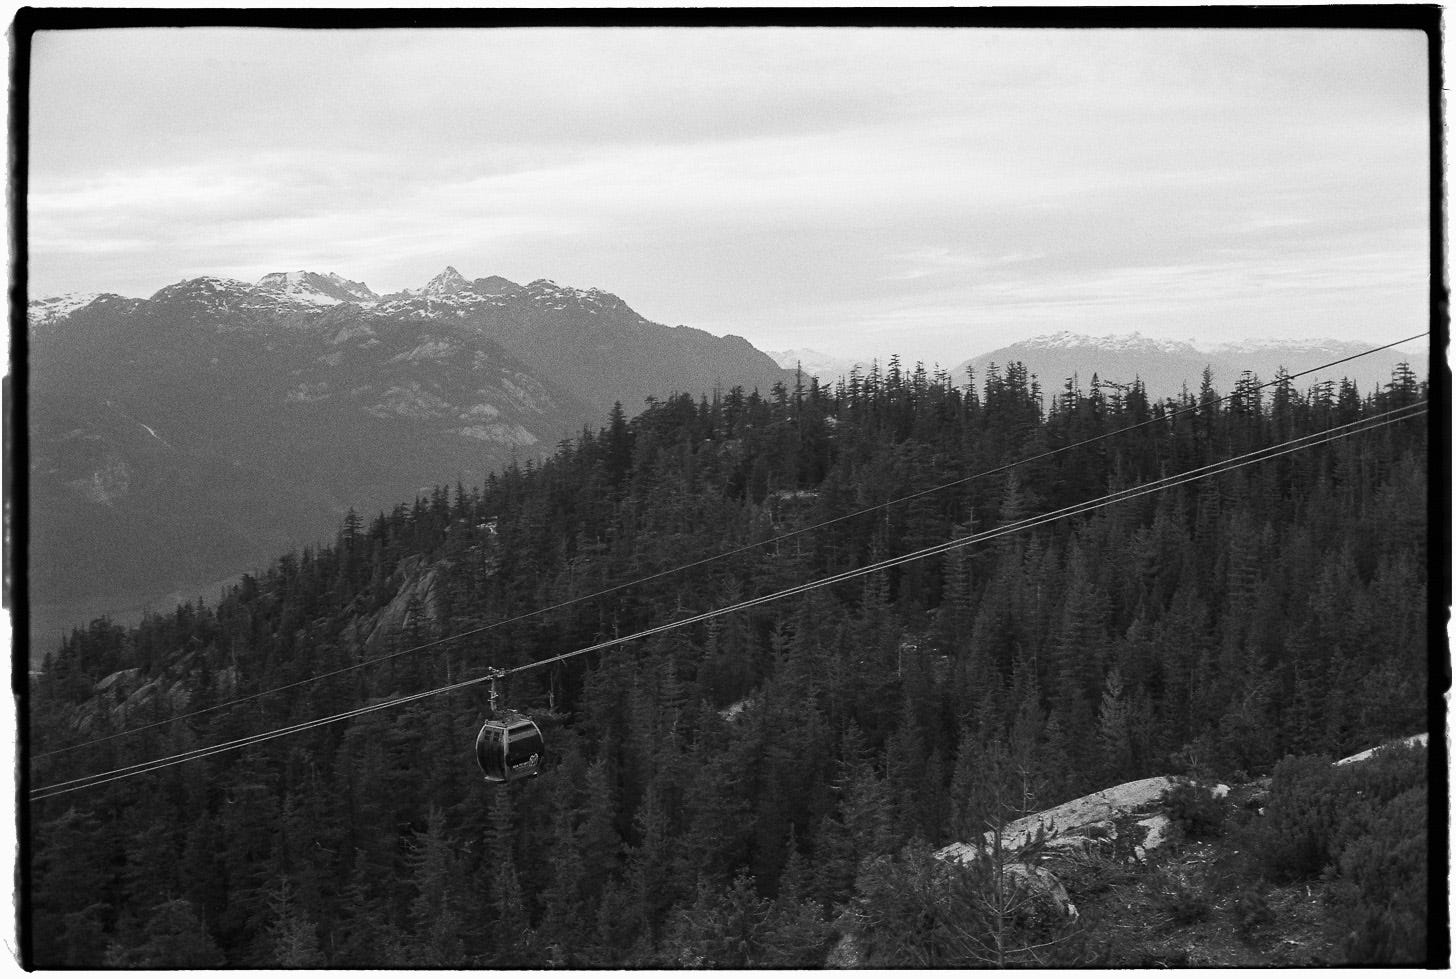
1166, 367
182, 439
321, 290
587, 340
828, 368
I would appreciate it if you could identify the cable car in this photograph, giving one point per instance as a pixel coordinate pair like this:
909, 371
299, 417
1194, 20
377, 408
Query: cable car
509, 746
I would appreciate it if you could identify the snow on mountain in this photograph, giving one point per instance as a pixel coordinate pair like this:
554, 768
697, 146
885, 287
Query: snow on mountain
1127, 342
587, 340
549, 295
448, 294
280, 387
1136, 342
52, 308
1316, 345
447, 283
208, 288
296, 284
1168, 367
448, 286
319, 290
358, 289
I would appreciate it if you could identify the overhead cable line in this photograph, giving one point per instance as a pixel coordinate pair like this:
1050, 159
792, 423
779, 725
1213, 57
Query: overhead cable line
1227, 465
677, 569
1360, 426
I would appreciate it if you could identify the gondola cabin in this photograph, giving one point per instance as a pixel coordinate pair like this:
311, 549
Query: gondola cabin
509, 748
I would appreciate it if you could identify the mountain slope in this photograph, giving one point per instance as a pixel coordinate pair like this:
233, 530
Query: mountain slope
590, 341
180, 440
321, 290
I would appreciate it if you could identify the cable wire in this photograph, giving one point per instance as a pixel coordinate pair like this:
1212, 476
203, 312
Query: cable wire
1394, 416
677, 569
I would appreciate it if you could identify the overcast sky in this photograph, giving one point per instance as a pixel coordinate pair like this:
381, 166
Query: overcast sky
932, 193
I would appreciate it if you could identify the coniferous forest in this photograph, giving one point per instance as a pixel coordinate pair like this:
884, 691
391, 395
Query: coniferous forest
741, 791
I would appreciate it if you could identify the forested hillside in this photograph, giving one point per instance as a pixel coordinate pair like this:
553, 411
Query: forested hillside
181, 440
715, 791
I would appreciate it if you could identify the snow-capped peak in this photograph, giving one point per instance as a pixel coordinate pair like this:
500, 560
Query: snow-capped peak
52, 308
203, 285
1138, 343
447, 283
548, 294
1320, 344
319, 290
61, 305
1125, 343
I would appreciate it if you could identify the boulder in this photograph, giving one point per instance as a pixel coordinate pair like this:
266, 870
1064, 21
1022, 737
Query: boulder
1044, 888
1157, 829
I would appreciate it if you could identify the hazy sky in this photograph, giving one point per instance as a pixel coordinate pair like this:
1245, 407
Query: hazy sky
930, 192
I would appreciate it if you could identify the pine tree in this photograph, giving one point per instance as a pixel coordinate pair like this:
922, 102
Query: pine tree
295, 938
173, 939
434, 916
1114, 733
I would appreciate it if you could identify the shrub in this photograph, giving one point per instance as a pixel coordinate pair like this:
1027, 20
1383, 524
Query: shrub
1251, 910
1369, 787
1381, 884
1303, 817
1194, 809
1316, 810
1365, 827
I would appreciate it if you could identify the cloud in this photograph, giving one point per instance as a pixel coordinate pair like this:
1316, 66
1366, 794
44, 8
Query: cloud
898, 186
925, 262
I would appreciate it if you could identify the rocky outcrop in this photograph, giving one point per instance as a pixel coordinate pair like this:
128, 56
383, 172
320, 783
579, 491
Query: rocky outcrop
419, 594
1415, 739
1088, 822
129, 697
1034, 845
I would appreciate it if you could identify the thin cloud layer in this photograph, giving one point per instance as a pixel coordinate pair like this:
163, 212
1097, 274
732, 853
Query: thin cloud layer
926, 192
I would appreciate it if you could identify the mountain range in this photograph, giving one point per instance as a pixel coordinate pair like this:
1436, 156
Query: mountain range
828, 368
1167, 367
180, 440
